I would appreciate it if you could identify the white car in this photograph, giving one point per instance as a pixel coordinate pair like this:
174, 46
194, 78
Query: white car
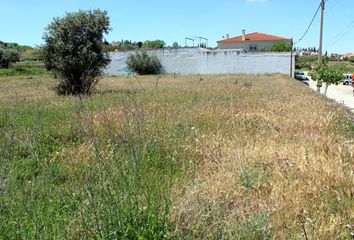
301, 76
347, 79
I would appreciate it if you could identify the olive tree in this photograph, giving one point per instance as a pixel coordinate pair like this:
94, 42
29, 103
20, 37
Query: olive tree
73, 50
8, 56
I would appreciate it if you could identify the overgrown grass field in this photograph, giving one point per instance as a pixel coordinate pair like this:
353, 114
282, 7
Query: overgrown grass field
25, 68
345, 67
194, 157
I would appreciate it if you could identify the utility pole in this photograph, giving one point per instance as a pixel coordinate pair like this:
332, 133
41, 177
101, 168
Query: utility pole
319, 84
291, 58
321, 31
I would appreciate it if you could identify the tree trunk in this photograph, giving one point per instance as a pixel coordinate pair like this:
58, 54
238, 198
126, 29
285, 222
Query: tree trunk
319, 85
326, 88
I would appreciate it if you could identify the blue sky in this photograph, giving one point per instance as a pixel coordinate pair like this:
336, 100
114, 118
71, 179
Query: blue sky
24, 21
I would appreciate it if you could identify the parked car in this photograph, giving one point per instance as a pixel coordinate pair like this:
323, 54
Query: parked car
301, 76
347, 79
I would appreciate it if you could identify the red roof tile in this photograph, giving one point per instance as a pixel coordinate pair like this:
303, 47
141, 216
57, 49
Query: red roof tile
256, 36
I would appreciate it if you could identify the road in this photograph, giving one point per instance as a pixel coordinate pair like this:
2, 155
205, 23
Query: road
340, 93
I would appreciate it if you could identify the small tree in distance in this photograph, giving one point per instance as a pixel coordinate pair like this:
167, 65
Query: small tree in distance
73, 50
155, 44
326, 74
8, 56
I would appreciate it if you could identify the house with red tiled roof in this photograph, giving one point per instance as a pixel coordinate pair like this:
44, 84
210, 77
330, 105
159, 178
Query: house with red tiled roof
252, 42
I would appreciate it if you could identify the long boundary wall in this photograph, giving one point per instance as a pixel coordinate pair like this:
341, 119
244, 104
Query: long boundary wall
202, 61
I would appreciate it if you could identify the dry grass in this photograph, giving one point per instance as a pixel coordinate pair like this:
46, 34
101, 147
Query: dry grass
276, 155
273, 160
278, 158
25, 89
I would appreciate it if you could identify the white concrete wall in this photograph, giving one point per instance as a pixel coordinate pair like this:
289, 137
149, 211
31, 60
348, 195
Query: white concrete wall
202, 61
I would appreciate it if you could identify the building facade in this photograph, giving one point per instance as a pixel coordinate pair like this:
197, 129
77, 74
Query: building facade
253, 42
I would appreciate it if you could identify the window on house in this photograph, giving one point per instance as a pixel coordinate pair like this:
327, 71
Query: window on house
253, 48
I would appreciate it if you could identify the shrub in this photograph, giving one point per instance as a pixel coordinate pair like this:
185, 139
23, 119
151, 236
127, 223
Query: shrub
73, 50
8, 56
144, 64
281, 47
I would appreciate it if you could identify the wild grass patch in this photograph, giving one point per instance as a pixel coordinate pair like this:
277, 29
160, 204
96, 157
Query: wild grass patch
225, 157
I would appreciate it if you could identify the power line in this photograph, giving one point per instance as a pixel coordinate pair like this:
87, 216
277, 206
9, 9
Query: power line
313, 19
342, 34
308, 28
335, 5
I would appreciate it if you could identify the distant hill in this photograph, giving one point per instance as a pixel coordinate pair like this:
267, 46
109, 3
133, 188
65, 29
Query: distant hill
15, 46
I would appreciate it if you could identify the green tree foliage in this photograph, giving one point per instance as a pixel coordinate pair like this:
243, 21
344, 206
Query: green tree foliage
144, 64
109, 48
328, 75
128, 45
73, 50
27, 53
155, 44
281, 47
305, 62
16, 46
8, 56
